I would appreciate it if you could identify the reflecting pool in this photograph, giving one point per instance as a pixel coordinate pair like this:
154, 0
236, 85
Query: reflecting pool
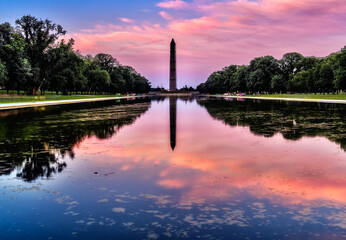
174, 168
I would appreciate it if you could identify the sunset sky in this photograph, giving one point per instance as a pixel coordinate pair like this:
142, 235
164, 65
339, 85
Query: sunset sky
209, 34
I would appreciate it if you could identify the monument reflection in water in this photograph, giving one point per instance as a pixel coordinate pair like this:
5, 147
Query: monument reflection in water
173, 121
240, 170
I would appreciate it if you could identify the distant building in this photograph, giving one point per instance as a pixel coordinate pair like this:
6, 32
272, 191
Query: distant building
173, 68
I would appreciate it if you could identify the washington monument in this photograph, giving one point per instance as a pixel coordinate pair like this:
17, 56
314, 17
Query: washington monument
173, 69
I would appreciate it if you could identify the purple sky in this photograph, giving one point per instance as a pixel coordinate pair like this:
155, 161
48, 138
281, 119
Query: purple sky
209, 34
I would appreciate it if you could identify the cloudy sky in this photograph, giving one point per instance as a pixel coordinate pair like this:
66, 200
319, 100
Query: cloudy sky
209, 34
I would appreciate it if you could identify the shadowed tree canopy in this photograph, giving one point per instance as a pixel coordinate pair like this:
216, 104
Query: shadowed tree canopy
293, 72
33, 58
15, 67
106, 62
65, 73
39, 35
261, 71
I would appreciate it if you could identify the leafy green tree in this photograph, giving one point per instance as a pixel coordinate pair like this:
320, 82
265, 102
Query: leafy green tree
339, 70
134, 82
216, 83
98, 81
39, 36
289, 67
229, 76
324, 76
3, 73
141, 84
300, 81
261, 72
293, 72
66, 69
106, 62
12, 53
201, 88
309, 65
118, 84
289, 62
112, 66
240, 78
279, 83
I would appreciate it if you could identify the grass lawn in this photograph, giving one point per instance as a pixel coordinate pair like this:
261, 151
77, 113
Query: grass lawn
4, 98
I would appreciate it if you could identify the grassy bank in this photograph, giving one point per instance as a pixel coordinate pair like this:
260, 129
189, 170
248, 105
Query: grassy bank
4, 98
301, 96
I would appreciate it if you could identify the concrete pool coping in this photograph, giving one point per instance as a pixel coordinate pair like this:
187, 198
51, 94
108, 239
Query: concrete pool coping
9, 106
285, 99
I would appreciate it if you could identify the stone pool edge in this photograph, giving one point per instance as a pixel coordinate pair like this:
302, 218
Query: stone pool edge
9, 106
285, 99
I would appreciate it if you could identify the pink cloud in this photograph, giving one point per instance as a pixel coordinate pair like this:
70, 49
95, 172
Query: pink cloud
127, 20
231, 32
177, 4
165, 15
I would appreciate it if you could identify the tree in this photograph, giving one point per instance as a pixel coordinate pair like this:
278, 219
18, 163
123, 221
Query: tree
324, 76
3, 73
106, 62
261, 72
216, 83
278, 83
339, 70
118, 84
289, 67
98, 80
134, 82
66, 69
12, 53
39, 35
300, 81
309, 66
229, 76
201, 88
240, 78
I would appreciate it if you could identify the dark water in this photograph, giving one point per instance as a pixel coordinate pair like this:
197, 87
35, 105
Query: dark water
174, 169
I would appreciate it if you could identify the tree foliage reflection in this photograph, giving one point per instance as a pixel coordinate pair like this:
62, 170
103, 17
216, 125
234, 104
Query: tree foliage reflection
35, 143
292, 119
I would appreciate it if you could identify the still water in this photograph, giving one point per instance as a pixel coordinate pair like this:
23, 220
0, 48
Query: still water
170, 168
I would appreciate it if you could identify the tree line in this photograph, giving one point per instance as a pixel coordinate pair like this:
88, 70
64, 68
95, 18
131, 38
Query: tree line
34, 59
292, 73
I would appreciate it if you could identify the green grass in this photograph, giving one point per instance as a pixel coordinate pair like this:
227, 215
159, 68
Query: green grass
303, 96
50, 96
